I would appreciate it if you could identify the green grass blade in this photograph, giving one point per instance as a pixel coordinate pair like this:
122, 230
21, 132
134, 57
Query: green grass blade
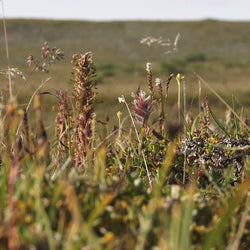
166, 166
187, 208
242, 113
219, 124
215, 237
3, 187
194, 123
236, 120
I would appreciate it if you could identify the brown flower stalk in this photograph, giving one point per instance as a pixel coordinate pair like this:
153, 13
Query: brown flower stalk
207, 114
84, 95
149, 78
167, 85
158, 83
48, 56
26, 131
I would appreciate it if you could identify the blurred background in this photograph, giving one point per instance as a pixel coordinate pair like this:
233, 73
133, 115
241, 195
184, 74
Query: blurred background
210, 38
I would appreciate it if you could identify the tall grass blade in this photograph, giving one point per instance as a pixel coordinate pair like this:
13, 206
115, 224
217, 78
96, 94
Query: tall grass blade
186, 222
100, 208
236, 120
194, 124
42, 216
175, 227
242, 113
7, 50
166, 166
215, 238
4, 185
219, 124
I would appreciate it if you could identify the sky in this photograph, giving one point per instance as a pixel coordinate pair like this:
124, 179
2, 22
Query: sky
108, 10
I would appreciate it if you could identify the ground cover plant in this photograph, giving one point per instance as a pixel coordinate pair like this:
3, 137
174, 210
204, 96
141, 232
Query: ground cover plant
143, 185
150, 182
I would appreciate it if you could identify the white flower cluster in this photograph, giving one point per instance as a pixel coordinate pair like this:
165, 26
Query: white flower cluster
121, 99
149, 67
158, 82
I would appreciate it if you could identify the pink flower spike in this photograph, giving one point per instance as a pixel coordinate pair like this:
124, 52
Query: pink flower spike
143, 106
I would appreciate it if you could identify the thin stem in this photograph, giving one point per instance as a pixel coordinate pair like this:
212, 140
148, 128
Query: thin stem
179, 102
166, 94
185, 106
143, 156
7, 51
185, 132
31, 99
199, 93
162, 114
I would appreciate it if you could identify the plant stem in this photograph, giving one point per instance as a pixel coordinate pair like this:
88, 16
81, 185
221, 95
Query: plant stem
7, 51
185, 132
179, 102
137, 135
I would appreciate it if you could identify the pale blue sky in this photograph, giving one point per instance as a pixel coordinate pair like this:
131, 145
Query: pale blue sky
128, 9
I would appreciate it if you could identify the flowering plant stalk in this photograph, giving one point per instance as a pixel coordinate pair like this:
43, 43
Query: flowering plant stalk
143, 107
84, 82
158, 83
179, 79
122, 100
149, 78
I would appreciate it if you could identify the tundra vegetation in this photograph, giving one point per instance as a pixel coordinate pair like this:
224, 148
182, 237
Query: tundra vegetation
149, 182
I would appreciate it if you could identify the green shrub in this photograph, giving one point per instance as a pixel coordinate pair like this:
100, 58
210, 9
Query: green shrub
173, 66
197, 57
108, 68
236, 63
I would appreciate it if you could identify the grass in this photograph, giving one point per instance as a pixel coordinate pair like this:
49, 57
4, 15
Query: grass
137, 181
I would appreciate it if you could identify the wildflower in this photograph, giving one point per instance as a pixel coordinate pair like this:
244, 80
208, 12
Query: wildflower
121, 99
148, 67
119, 114
158, 82
149, 78
179, 78
143, 106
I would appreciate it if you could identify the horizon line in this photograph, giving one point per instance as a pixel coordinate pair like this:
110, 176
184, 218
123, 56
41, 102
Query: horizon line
128, 20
